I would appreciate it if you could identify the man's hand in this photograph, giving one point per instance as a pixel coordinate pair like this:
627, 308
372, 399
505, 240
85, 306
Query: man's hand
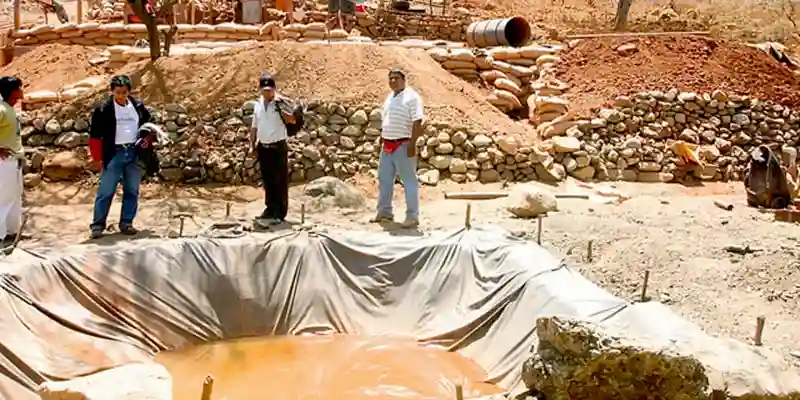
251, 149
4, 153
412, 149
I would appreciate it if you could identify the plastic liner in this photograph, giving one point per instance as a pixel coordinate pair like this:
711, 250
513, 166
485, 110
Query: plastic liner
480, 291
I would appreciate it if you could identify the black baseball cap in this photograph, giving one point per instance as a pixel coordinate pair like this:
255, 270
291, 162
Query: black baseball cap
266, 81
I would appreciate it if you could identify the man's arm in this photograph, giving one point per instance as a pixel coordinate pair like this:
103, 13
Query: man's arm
254, 129
417, 114
4, 153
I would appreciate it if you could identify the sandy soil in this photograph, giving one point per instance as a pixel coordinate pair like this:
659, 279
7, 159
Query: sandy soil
675, 232
598, 72
53, 66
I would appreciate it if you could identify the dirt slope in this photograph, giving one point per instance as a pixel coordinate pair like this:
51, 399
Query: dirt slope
598, 72
351, 74
51, 66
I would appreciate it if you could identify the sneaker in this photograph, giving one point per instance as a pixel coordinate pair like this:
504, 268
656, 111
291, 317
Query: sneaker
410, 223
96, 234
382, 218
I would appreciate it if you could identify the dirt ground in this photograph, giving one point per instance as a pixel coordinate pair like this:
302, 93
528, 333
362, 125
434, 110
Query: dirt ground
53, 66
598, 72
674, 231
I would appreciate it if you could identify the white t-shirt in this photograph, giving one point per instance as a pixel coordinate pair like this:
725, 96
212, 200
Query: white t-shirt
127, 123
268, 123
399, 113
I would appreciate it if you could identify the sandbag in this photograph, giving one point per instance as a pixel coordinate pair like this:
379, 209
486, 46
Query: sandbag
295, 28
462, 55
42, 96
48, 37
313, 34
520, 71
456, 64
547, 59
90, 82
483, 61
41, 29
465, 73
492, 75
71, 34
502, 66
508, 97
72, 94
533, 52
316, 26
545, 104
267, 28
89, 26
338, 34
509, 86
138, 28
504, 53
202, 28
227, 27
112, 27
439, 54
66, 28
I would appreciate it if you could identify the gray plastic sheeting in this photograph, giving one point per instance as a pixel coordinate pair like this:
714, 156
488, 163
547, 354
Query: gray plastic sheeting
478, 291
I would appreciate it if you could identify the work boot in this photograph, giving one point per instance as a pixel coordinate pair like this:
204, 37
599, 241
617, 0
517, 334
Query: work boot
382, 218
128, 230
410, 223
96, 234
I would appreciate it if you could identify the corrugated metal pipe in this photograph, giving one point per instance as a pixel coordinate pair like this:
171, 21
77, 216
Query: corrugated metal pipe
513, 31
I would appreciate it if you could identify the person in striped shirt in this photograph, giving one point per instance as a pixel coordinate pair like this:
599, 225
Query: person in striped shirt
402, 125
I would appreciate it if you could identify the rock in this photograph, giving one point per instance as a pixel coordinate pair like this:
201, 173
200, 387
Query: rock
430, 178
440, 162
128, 382
329, 191
481, 141
359, 117
566, 144
585, 173
530, 201
312, 153
554, 173
52, 127
72, 139
489, 176
508, 144
32, 180
458, 166
63, 166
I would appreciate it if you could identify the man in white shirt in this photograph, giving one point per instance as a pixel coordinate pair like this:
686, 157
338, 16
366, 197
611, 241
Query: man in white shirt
268, 136
402, 125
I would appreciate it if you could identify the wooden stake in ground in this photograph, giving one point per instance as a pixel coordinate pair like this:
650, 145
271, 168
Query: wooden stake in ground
468, 217
760, 321
17, 9
459, 392
589, 250
208, 387
643, 298
228, 209
303, 214
539, 230
79, 11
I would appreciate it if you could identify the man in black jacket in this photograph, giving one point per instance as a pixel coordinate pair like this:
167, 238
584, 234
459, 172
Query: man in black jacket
113, 143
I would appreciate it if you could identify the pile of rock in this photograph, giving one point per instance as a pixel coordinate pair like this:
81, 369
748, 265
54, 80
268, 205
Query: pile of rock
522, 78
634, 140
337, 141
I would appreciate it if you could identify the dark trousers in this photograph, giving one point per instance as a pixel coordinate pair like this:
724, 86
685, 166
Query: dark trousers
273, 159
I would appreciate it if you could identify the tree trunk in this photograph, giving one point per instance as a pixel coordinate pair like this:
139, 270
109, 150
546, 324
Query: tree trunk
152, 28
621, 20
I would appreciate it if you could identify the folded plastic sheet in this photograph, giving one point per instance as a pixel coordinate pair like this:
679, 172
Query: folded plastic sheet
479, 291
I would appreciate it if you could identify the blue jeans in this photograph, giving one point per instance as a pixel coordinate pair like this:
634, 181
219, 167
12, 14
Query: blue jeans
398, 163
122, 167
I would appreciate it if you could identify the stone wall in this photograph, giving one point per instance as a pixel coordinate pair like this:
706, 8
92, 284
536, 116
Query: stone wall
337, 141
636, 141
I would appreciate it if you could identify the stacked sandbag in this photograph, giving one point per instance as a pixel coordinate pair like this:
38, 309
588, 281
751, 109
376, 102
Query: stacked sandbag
459, 62
106, 10
122, 55
92, 33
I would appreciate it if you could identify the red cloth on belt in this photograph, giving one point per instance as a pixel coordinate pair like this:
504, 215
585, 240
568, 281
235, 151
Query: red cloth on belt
389, 146
96, 150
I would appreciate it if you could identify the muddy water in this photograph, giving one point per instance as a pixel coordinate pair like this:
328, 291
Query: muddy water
323, 367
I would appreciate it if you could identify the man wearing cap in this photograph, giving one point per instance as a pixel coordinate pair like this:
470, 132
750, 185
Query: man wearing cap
268, 139
402, 125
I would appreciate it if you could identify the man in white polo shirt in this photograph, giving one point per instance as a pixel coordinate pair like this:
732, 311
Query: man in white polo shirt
402, 125
268, 138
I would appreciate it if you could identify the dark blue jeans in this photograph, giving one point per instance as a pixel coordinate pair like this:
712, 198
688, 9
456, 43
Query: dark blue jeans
122, 167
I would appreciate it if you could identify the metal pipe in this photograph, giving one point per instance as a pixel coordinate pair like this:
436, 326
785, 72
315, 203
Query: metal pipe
513, 31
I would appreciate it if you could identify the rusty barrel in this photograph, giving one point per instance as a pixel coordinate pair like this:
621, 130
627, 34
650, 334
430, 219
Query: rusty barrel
513, 31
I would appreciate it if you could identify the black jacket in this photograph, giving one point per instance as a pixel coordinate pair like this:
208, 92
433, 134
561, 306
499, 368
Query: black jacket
104, 125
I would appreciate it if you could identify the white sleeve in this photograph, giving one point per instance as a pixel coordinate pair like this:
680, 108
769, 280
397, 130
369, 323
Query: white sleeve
416, 107
255, 117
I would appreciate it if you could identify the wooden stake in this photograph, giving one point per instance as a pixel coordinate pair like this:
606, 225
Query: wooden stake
228, 209
17, 8
589, 250
760, 321
644, 285
208, 387
468, 217
459, 392
79, 11
539, 230
180, 231
191, 13
302, 214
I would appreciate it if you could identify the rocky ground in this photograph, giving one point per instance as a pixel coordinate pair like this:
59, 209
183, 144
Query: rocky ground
690, 246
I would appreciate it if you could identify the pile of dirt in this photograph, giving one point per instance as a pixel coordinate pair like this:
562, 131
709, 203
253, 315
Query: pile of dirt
598, 70
346, 73
52, 66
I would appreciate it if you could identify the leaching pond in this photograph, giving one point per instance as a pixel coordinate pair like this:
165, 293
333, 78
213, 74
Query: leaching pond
393, 302
324, 367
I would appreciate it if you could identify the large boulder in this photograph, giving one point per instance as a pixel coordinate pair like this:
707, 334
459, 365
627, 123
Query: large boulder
530, 201
329, 191
128, 382
63, 166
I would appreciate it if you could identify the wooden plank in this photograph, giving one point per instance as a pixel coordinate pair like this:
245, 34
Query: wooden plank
638, 34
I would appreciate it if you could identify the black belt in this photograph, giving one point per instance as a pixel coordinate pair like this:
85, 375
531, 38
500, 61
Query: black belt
397, 140
272, 144
125, 146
